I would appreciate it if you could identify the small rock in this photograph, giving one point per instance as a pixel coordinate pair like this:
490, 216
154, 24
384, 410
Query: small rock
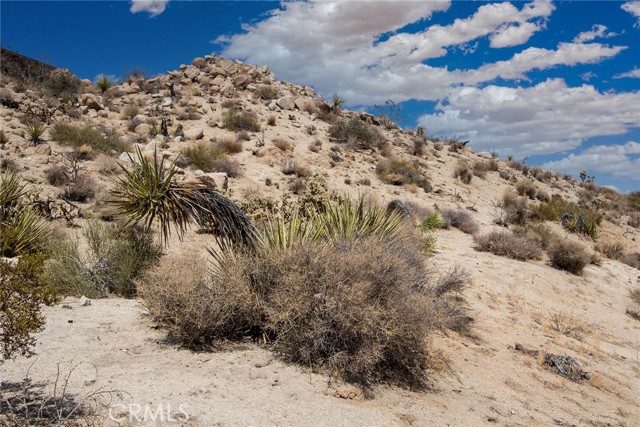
90, 100
485, 155
84, 301
194, 133
43, 149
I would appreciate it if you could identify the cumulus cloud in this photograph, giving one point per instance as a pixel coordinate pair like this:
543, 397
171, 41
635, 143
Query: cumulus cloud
549, 117
633, 7
152, 7
616, 160
597, 31
634, 74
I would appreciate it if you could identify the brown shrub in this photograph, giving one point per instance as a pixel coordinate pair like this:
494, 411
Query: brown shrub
399, 172
526, 188
282, 144
228, 165
481, 167
460, 219
514, 209
632, 260
292, 167
271, 120
613, 250
57, 175
568, 255
505, 243
231, 145
463, 171
81, 189
634, 220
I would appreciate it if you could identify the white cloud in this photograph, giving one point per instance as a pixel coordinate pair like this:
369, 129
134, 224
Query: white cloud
635, 73
549, 117
513, 35
615, 160
633, 7
597, 31
152, 7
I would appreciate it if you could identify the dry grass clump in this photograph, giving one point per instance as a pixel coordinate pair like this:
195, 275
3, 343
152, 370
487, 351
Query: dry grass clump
227, 165
202, 155
77, 137
543, 234
508, 244
634, 220
282, 144
481, 167
568, 255
271, 120
237, 121
399, 172
515, 210
357, 134
464, 172
56, 175
460, 219
82, 188
129, 112
612, 250
231, 144
266, 92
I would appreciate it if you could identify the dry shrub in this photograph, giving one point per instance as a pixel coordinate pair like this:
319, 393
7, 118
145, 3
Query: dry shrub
357, 134
180, 294
292, 167
543, 234
271, 120
399, 172
463, 171
612, 250
632, 260
81, 189
237, 121
107, 165
56, 175
282, 144
231, 145
460, 219
514, 209
505, 243
228, 165
568, 255
481, 167
202, 155
634, 220
526, 188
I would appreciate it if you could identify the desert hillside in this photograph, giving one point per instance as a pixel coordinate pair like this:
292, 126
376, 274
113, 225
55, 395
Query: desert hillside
536, 275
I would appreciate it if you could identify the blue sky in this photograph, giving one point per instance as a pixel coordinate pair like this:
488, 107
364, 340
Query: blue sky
557, 83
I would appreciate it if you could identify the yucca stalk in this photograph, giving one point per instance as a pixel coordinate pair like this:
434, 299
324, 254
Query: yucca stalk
147, 193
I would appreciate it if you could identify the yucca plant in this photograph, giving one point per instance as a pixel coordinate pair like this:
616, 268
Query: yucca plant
34, 129
22, 230
433, 221
104, 83
146, 192
337, 101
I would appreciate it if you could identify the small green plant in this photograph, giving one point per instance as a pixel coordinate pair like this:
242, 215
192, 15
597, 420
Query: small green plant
34, 130
237, 121
337, 101
104, 83
202, 155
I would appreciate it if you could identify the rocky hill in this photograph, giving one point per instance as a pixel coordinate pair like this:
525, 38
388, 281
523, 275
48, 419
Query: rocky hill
551, 265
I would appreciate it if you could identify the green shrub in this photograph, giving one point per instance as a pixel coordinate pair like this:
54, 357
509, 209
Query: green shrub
400, 172
78, 136
111, 263
236, 121
34, 130
508, 244
201, 156
22, 292
357, 134
433, 221
567, 255
267, 92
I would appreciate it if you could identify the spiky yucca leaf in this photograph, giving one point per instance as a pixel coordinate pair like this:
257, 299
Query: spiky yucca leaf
23, 231
34, 129
433, 221
10, 190
146, 192
281, 234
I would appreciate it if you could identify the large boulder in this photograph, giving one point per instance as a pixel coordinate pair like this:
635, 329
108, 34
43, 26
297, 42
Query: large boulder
91, 101
286, 102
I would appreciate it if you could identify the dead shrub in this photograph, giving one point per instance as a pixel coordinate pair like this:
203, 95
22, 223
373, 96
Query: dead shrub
634, 220
463, 171
57, 175
227, 165
514, 209
481, 167
399, 172
357, 134
292, 167
81, 189
568, 255
460, 219
282, 144
271, 120
507, 244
